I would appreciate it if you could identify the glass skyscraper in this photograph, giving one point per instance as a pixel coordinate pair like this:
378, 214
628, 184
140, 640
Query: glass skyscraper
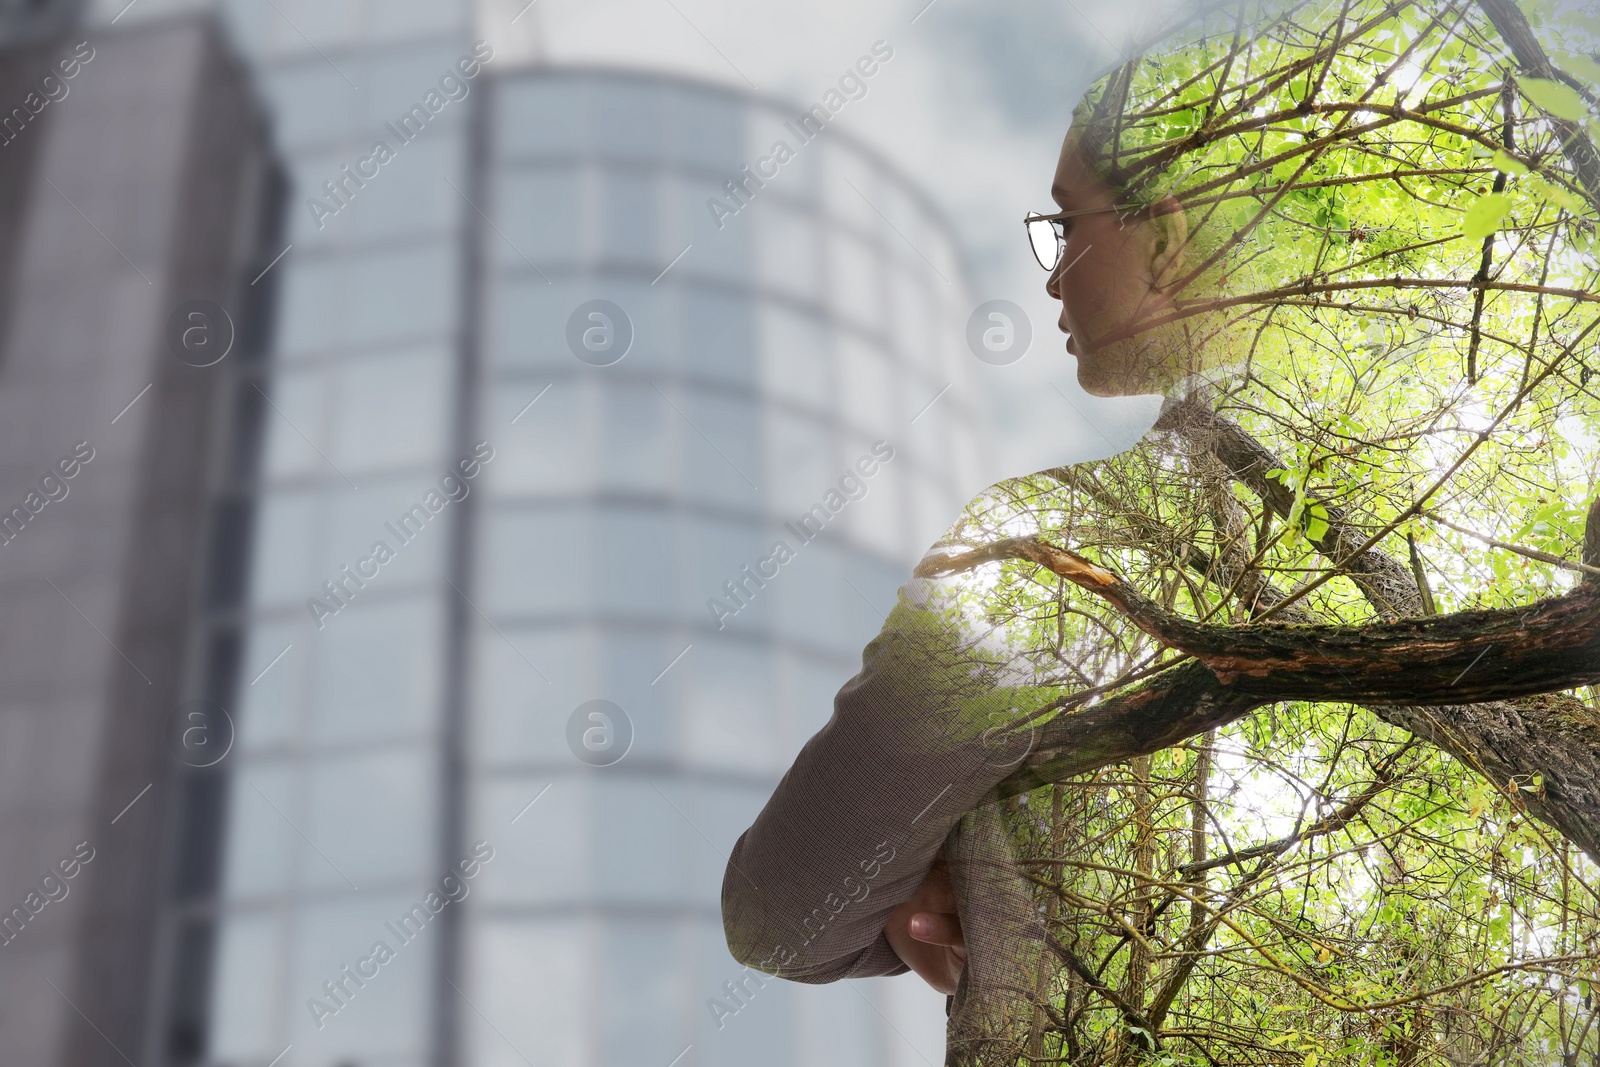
767, 358
579, 375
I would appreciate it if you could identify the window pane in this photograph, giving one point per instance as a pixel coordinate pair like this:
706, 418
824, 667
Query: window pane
628, 118
868, 389
285, 556
539, 561
392, 411
839, 1027
640, 831
270, 706
394, 512
719, 331
809, 685
808, 599
721, 812
636, 552
913, 318
721, 253
801, 465
311, 104
396, 78
796, 361
540, 115
763, 1033
712, 131
336, 301
527, 322
246, 999
638, 432
543, 859
526, 682
786, 250
539, 212
722, 453
848, 183
531, 983
627, 671
724, 696
715, 551
260, 841
856, 280
541, 449
309, 24
388, 1015
628, 221
371, 818
410, 19
874, 518
375, 671
644, 972
297, 423
409, 194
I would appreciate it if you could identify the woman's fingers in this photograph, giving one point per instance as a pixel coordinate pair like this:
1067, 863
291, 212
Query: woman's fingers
937, 928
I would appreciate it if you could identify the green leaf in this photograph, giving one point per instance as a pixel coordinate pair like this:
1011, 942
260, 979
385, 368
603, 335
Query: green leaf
1508, 163
1560, 100
1552, 192
1317, 523
1484, 215
1583, 68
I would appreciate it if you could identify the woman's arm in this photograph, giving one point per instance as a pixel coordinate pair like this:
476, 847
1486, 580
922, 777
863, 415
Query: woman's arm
917, 738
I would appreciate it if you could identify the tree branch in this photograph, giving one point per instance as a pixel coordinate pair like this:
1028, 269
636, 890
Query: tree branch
1591, 542
1513, 28
1467, 657
1386, 583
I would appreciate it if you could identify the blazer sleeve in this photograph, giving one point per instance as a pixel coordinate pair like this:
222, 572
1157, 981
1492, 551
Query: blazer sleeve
917, 739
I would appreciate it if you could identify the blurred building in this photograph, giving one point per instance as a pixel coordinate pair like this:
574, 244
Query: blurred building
136, 201
389, 710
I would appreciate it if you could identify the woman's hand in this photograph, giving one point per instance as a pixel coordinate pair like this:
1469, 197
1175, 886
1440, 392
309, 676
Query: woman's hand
925, 931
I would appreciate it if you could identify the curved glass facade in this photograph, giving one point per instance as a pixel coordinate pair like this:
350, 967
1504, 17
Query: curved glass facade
770, 356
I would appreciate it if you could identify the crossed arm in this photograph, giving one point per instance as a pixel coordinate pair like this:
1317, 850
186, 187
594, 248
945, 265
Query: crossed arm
841, 875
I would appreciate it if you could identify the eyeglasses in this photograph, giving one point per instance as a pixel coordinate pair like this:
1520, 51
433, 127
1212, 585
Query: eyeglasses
1048, 233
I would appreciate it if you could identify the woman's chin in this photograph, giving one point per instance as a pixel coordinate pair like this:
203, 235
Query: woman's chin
1097, 379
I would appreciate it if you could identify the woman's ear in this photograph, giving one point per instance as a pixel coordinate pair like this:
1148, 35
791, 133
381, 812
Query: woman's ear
1169, 250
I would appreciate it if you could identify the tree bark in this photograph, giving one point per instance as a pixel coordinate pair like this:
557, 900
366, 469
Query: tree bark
1471, 656
1545, 745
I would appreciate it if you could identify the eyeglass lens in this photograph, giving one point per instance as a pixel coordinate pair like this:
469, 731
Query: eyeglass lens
1047, 236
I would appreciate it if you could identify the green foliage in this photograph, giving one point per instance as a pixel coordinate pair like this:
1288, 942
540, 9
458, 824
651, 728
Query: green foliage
1338, 163
1484, 215
1560, 100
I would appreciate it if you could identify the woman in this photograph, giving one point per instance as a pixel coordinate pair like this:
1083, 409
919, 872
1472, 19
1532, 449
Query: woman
1284, 220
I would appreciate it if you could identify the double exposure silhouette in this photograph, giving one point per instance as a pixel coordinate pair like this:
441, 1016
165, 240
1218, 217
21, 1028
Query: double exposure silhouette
1272, 738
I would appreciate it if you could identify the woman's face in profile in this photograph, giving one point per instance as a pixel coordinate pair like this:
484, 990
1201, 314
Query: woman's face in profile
1111, 275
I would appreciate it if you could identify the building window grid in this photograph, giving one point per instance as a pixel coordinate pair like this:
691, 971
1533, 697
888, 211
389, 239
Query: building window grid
881, 336
284, 905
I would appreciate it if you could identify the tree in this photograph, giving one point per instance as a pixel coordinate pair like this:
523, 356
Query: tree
1367, 573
